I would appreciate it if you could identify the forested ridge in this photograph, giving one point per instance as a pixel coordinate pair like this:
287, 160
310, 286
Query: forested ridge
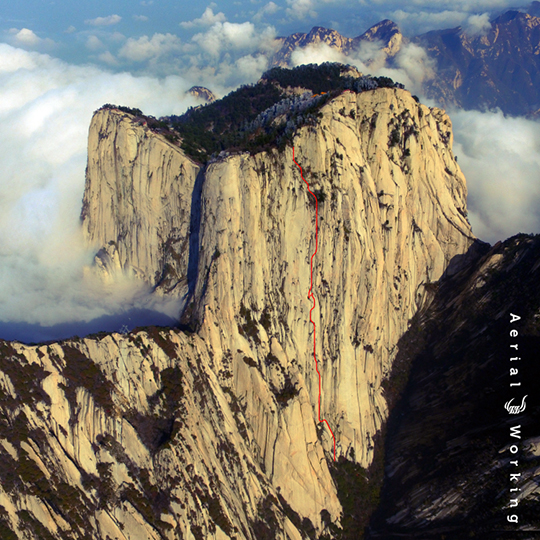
258, 116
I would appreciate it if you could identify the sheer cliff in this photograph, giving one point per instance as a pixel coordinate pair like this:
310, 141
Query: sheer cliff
213, 433
392, 216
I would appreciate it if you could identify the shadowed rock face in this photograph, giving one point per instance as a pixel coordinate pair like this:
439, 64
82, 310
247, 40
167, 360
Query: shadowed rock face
448, 457
500, 68
214, 434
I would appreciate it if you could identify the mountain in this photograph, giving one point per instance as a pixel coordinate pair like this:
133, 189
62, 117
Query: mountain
212, 430
202, 93
456, 460
500, 68
496, 68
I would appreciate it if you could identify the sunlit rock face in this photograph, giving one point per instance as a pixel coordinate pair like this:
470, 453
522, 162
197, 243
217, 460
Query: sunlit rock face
215, 433
203, 93
137, 201
128, 437
391, 217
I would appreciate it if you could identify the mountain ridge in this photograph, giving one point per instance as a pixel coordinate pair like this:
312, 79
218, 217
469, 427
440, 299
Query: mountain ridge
496, 67
235, 396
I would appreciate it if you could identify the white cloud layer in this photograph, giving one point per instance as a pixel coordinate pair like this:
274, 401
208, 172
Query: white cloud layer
500, 158
45, 111
222, 37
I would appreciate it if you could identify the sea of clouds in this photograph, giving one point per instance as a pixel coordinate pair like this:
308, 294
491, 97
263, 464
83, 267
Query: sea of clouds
45, 111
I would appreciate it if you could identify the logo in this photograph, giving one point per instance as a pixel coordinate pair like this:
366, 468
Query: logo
515, 409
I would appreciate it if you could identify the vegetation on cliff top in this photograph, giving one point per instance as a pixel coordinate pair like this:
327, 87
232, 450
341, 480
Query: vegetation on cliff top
258, 116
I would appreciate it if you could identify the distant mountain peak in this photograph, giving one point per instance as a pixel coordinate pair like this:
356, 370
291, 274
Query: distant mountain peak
203, 93
387, 32
497, 70
381, 30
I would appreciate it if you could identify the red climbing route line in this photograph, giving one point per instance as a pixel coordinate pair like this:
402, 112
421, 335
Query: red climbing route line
312, 297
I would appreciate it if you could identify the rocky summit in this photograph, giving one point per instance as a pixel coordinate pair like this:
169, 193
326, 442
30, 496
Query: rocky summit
211, 430
386, 34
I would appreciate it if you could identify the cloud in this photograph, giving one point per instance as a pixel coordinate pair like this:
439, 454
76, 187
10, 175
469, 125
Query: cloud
419, 22
70, 30
104, 21
208, 18
413, 64
18, 59
45, 110
301, 9
317, 53
369, 54
477, 25
269, 9
93, 43
222, 37
414, 61
27, 39
108, 58
141, 18
251, 67
145, 48
500, 158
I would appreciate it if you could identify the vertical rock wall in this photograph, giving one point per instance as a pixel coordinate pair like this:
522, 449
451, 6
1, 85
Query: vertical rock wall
392, 215
137, 202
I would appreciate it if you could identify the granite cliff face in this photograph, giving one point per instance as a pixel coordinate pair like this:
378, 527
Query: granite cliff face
392, 218
213, 433
131, 438
137, 211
